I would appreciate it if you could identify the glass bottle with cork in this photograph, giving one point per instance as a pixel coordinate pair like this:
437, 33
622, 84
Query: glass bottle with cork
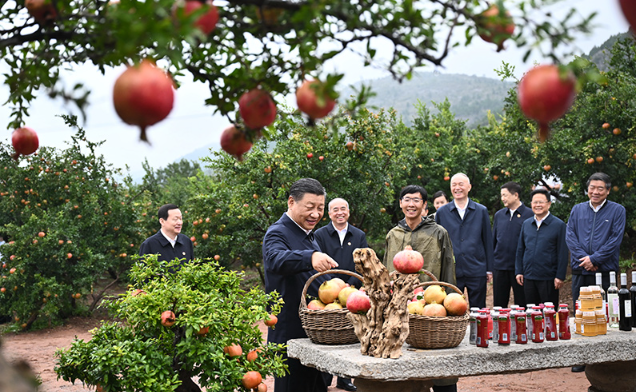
612, 301
625, 303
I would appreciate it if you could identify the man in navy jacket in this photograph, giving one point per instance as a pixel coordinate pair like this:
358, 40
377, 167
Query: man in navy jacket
468, 225
168, 242
542, 255
339, 239
505, 237
291, 256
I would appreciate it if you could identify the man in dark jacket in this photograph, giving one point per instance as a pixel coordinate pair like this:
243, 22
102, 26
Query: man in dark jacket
168, 242
468, 224
505, 237
339, 239
291, 256
542, 255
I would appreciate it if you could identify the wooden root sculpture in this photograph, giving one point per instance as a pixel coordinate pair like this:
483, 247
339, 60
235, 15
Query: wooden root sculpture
383, 330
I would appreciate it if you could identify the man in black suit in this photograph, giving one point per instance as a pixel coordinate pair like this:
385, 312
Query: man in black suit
168, 242
339, 239
291, 256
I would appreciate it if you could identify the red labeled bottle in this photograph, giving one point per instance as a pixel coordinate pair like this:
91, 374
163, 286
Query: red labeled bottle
482, 328
504, 328
522, 334
551, 332
538, 326
564, 322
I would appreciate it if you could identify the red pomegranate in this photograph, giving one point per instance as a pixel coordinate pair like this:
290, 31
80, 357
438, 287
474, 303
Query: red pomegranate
629, 10
143, 95
495, 25
313, 99
43, 11
257, 108
408, 261
545, 95
25, 141
233, 142
206, 22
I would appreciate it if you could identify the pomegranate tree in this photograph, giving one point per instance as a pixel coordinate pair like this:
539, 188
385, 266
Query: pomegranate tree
257, 108
234, 142
313, 99
206, 22
408, 261
25, 141
545, 94
143, 95
495, 25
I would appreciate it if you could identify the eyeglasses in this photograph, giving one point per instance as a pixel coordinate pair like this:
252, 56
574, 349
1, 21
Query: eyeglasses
592, 188
539, 202
415, 200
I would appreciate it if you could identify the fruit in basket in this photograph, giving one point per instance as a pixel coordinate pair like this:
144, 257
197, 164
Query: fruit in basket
415, 307
329, 290
316, 304
434, 310
358, 302
455, 304
408, 261
333, 305
434, 294
344, 294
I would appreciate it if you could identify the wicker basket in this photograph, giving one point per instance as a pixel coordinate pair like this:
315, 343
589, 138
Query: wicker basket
437, 332
327, 326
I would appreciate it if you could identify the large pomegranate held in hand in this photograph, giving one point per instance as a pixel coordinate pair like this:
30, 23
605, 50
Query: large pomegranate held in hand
143, 95
257, 108
206, 22
545, 95
25, 141
234, 142
495, 25
629, 10
313, 99
408, 261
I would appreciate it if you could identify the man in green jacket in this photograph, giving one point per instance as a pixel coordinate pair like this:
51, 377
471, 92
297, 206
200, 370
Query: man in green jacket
428, 238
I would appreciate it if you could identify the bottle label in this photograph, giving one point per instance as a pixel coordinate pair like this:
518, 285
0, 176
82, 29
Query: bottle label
504, 336
582, 328
615, 307
628, 308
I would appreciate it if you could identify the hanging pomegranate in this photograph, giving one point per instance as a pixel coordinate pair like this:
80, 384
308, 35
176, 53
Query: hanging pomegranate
257, 108
143, 95
629, 10
206, 22
545, 95
25, 141
234, 142
313, 99
495, 25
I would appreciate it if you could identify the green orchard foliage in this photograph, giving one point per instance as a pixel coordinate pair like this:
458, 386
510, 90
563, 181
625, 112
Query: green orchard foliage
68, 223
138, 353
271, 43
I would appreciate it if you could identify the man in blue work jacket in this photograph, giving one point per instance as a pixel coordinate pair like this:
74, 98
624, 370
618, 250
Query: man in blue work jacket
468, 225
291, 256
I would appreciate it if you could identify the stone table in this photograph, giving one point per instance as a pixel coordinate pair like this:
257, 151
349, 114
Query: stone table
610, 360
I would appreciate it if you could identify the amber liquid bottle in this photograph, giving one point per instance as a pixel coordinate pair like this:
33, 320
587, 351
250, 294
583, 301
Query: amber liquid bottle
624, 299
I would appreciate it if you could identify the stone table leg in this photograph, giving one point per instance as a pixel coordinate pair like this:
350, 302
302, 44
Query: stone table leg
366, 385
612, 376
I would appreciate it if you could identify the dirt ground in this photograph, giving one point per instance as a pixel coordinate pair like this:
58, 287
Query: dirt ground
38, 349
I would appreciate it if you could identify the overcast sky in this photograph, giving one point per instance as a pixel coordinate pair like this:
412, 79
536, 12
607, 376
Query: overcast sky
191, 124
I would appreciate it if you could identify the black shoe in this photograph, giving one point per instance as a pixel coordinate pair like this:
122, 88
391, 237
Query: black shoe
346, 384
578, 369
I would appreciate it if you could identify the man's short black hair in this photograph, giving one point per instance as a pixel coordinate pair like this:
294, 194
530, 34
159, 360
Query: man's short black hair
542, 191
164, 210
414, 189
600, 177
512, 187
306, 185
439, 194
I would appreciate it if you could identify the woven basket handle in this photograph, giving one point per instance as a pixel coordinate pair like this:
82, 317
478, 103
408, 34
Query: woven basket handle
424, 284
303, 300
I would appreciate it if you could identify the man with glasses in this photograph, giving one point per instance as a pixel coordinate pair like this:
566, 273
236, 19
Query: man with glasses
594, 235
468, 225
428, 238
542, 255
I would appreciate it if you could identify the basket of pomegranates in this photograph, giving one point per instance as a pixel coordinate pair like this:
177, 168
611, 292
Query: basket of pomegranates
325, 319
437, 319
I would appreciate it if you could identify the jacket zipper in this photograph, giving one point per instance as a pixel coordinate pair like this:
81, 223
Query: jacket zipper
589, 252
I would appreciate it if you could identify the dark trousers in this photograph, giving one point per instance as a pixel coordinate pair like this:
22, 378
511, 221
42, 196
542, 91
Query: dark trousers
329, 379
503, 280
540, 291
300, 378
476, 287
579, 281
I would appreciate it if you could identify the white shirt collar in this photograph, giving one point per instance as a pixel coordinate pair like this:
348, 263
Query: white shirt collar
301, 228
539, 222
461, 211
597, 208
171, 241
342, 233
